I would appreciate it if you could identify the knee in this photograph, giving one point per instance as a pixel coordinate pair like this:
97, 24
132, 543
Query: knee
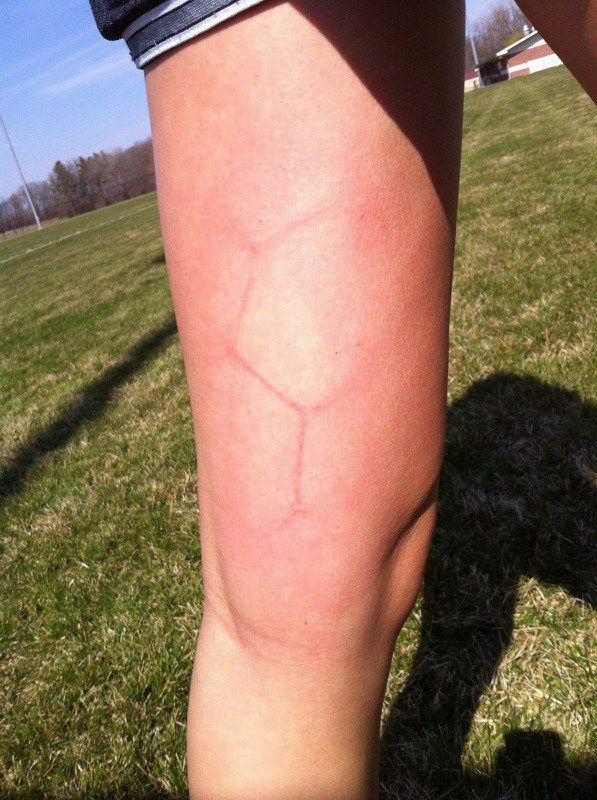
315, 591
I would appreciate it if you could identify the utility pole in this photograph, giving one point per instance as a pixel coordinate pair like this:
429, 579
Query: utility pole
20, 171
474, 49
472, 41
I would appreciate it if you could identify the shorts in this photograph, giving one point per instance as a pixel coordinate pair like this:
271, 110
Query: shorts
152, 28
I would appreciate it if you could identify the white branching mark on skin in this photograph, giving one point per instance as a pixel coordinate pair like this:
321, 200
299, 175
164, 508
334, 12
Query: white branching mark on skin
302, 344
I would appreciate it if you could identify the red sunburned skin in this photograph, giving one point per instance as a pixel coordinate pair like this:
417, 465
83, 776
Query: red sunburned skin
292, 402
307, 184
294, 271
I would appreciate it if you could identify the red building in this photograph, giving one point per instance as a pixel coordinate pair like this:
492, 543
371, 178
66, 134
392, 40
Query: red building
529, 54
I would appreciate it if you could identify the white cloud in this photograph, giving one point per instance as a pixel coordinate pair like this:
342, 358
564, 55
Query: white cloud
26, 63
117, 64
39, 79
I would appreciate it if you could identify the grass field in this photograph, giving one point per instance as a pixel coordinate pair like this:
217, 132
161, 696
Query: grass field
491, 693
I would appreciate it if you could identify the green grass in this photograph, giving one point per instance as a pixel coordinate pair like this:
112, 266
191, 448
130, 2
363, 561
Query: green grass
491, 688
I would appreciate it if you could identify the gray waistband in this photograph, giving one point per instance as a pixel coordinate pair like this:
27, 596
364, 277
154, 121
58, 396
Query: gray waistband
176, 21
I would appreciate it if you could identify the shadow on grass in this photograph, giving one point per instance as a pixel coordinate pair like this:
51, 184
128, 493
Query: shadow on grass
515, 499
89, 404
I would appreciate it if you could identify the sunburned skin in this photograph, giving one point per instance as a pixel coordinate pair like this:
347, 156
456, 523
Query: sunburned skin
311, 304
308, 376
307, 184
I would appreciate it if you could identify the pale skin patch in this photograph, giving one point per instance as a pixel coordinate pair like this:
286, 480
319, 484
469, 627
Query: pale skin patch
311, 311
297, 361
305, 367
300, 335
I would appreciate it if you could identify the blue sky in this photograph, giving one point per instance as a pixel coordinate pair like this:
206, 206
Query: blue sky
65, 91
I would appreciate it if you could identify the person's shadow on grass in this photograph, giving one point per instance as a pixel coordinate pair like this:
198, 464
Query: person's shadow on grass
515, 500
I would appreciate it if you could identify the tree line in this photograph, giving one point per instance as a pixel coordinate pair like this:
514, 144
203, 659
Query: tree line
502, 24
83, 184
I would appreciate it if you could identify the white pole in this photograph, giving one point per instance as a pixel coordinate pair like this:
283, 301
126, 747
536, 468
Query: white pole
20, 171
474, 49
472, 41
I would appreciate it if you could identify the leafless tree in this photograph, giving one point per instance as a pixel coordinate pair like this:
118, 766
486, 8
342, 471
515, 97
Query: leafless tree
503, 23
83, 184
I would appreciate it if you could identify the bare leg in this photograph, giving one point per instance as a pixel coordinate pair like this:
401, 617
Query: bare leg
307, 166
571, 29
